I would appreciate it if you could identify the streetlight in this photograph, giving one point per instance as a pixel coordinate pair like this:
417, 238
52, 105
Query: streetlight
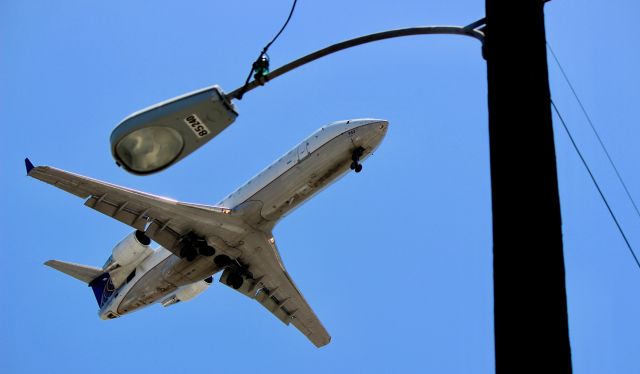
159, 136
530, 307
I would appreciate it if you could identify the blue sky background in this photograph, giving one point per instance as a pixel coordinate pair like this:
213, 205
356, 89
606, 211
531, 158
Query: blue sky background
396, 261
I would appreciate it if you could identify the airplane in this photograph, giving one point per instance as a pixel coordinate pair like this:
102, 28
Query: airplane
233, 237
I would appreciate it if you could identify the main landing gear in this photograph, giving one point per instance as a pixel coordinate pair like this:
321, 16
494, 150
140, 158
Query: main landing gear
194, 245
234, 280
355, 157
237, 271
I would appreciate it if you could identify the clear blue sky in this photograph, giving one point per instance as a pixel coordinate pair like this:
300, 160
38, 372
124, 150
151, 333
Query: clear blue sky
396, 260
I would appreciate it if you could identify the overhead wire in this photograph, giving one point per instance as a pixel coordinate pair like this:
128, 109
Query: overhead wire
604, 199
260, 67
293, 7
593, 128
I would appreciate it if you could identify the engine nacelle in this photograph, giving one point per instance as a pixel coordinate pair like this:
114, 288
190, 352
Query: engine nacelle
130, 248
188, 292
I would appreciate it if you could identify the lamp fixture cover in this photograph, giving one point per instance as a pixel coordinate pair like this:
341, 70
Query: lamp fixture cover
159, 136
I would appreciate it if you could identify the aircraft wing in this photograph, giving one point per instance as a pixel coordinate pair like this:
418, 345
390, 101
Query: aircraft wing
274, 289
164, 219
167, 221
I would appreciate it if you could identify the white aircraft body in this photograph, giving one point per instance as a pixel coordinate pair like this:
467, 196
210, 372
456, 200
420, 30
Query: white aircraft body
234, 236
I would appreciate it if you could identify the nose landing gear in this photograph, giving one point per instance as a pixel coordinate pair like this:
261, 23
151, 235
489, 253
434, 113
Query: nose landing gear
355, 157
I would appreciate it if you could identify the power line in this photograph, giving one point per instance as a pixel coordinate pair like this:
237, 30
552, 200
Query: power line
369, 38
293, 7
584, 111
260, 67
584, 162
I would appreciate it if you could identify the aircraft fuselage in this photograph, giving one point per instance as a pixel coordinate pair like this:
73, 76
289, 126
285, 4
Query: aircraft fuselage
305, 170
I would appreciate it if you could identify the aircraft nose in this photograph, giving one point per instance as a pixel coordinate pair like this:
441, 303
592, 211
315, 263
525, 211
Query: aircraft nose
378, 126
369, 124
370, 133
382, 125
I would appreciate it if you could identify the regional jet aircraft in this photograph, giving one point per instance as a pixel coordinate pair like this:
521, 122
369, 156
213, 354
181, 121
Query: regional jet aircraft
233, 237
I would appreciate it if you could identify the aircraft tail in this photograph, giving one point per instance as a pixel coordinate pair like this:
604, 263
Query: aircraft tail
81, 272
98, 279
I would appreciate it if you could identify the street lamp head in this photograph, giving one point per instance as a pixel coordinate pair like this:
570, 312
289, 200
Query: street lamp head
161, 135
149, 149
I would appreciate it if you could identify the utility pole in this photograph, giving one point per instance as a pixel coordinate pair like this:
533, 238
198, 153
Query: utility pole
530, 304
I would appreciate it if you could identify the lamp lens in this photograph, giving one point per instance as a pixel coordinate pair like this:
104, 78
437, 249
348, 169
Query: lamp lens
150, 148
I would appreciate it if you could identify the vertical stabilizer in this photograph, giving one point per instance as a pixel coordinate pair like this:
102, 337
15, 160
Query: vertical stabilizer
102, 288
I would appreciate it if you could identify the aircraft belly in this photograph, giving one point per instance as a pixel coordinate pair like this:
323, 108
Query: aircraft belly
316, 170
309, 176
181, 272
146, 291
165, 278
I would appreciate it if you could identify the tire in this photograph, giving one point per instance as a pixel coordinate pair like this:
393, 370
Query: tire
188, 252
207, 250
222, 260
234, 280
358, 168
191, 255
238, 282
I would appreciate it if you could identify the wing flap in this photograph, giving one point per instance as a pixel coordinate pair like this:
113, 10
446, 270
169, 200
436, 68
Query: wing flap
164, 220
274, 289
131, 216
274, 306
163, 234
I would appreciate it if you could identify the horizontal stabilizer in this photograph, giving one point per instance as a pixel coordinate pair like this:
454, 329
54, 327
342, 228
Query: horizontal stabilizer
81, 272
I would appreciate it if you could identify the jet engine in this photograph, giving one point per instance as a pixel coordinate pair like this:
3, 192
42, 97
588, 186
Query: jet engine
188, 292
131, 248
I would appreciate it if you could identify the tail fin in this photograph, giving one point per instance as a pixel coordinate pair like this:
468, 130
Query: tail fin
97, 279
102, 288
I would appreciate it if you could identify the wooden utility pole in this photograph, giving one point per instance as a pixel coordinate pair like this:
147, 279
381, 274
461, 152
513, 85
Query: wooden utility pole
530, 304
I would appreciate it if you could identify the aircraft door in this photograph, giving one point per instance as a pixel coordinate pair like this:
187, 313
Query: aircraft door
303, 151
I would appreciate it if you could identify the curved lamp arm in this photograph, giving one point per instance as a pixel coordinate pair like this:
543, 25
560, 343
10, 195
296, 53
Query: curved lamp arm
156, 138
423, 30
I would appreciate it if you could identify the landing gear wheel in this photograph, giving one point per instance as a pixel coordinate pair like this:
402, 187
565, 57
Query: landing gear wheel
207, 250
189, 253
234, 280
357, 153
222, 260
355, 156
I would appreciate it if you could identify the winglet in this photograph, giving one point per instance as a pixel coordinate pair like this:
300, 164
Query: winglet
28, 164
